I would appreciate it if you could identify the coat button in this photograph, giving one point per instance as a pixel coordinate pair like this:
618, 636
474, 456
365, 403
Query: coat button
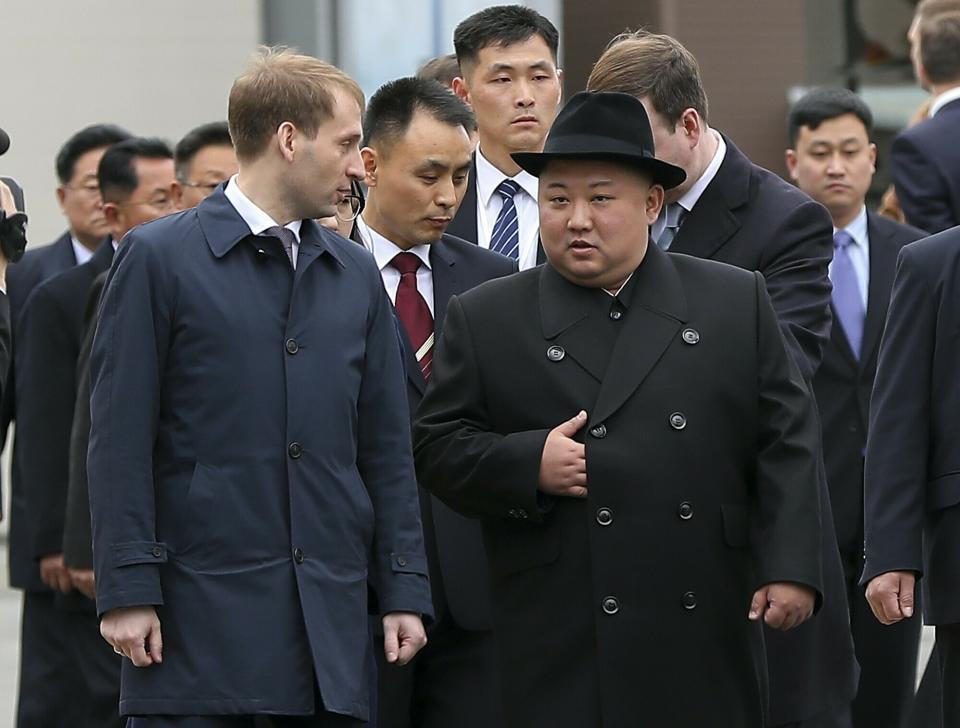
517, 513
298, 555
157, 551
616, 315
556, 353
295, 450
604, 516
678, 421
291, 346
599, 432
690, 336
610, 605
689, 600
685, 511
401, 561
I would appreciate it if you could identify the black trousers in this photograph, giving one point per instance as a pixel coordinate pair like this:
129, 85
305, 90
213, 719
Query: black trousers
322, 720
948, 659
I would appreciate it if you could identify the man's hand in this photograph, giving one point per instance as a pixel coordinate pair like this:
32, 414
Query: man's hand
54, 573
134, 632
563, 464
83, 582
403, 637
783, 605
891, 596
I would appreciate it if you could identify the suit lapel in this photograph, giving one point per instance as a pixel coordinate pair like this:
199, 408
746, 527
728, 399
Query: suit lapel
883, 263
446, 283
464, 223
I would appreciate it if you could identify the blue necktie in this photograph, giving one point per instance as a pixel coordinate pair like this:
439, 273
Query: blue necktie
505, 238
847, 301
674, 213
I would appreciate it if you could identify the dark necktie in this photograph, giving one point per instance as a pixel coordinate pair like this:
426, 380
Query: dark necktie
413, 311
847, 301
505, 238
674, 213
286, 236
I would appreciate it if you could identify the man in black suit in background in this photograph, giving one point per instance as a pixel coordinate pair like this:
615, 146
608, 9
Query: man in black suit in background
204, 158
508, 61
45, 688
136, 179
417, 157
735, 212
832, 159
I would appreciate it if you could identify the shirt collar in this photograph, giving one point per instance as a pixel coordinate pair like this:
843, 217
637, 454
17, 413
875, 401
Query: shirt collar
857, 229
385, 250
257, 220
943, 99
691, 196
489, 178
81, 253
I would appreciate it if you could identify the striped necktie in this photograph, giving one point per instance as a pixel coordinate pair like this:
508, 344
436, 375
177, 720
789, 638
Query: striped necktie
505, 238
413, 311
674, 214
286, 236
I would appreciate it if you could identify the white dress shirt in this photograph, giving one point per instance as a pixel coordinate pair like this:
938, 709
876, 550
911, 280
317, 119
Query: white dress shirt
943, 99
489, 203
859, 253
384, 251
691, 196
80, 251
257, 220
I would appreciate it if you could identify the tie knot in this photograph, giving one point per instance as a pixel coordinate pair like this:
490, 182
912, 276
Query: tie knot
285, 235
507, 189
841, 239
406, 263
675, 211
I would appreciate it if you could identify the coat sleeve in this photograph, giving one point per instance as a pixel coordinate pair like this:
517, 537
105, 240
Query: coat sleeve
795, 264
385, 462
4, 348
460, 458
921, 190
127, 359
787, 537
895, 475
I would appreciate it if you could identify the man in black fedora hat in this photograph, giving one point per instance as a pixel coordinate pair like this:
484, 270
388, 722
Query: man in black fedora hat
639, 445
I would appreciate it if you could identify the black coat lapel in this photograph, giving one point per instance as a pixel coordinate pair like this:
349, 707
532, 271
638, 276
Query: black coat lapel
564, 318
883, 264
464, 223
446, 283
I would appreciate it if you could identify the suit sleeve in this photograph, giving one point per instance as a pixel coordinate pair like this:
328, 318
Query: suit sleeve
399, 570
4, 347
460, 457
895, 475
921, 190
787, 537
127, 359
795, 265
47, 381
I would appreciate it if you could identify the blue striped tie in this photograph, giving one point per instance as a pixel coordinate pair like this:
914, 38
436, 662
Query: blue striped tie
506, 230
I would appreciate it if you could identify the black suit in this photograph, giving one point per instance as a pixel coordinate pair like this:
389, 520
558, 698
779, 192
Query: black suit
628, 607
4, 341
912, 480
887, 655
750, 218
925, 163
452, 682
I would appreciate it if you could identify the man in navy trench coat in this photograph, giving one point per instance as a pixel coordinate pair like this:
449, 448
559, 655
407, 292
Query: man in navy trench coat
249, 463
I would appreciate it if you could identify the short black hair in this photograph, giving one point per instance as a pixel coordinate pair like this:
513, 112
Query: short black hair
117, 173
86, 140
502, 25
392, 107
823, 104
214, 134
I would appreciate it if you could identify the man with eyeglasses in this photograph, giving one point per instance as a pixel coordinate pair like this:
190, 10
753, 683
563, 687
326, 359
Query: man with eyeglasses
204, 158
44, 687
137, 184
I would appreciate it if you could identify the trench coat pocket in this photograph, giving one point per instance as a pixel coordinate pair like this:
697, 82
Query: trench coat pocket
736, 525
513, 549
943, 491
139, 552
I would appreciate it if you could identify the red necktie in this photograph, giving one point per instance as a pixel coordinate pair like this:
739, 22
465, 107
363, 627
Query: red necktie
413, 310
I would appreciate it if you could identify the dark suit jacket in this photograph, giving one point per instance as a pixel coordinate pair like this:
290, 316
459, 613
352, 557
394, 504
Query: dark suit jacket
750, 218
4, 342
51, 332
454, 543
249, 464
37, 265
843, 384
624, 601
912, 481
925, 163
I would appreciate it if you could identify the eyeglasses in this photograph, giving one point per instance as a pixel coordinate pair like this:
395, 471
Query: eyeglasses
209, 187
352, 205
92, 189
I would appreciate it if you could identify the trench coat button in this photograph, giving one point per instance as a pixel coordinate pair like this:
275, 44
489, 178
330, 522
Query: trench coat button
690, 336
556, 353
401, 561
616, 315
689, 600
599, 432
678, 421
295, 450
519, 513
291, 346
298, 555
604, 516
611, 605
157, 551
685, 511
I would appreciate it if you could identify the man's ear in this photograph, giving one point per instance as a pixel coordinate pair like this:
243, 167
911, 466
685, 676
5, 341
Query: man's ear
654, 203
112, 214
61, 195
459, 87
286, 140
370, 159
873, 157
790, 156
176, 192
692, 126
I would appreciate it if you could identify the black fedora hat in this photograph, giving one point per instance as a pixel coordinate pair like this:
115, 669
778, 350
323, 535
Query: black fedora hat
603, 125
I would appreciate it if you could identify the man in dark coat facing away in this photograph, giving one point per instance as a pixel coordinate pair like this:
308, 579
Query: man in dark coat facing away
249, 463
640, 446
